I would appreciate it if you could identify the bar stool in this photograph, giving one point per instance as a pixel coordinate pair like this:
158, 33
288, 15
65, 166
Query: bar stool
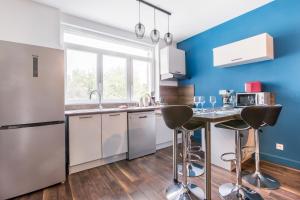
194, 168
252, 117
177, 118
258, 178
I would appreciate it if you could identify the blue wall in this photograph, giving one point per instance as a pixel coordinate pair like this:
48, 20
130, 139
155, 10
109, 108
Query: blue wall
281, 19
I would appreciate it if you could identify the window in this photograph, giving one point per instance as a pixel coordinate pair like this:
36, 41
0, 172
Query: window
114, 78
107, 45
141, 78
122, 71
81, 75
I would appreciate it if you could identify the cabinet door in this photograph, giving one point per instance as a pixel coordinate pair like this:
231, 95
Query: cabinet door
177, 61
163, 133
84, 138
114, 134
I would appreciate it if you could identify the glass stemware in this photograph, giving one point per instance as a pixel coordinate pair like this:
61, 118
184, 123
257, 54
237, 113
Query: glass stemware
213, 101
202, 102
196, 101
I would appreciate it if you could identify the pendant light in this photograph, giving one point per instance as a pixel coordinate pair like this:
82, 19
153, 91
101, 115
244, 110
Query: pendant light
154, 35
139, 28
168, 36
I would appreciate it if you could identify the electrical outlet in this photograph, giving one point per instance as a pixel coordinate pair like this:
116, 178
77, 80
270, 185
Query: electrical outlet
279, 146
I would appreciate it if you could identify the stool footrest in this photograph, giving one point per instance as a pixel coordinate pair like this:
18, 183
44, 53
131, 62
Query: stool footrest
226, 154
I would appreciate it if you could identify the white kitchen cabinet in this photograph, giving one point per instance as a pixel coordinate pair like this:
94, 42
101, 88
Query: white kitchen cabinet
250, 50
84, 138
114, 134
172, 61
223, 141
164, 135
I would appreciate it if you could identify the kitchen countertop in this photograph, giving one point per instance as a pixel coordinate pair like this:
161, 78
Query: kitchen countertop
110, 110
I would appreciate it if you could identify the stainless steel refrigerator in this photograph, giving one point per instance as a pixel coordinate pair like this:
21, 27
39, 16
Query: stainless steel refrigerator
32, 129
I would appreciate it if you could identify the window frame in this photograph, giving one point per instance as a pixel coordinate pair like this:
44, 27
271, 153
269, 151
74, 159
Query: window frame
99, 75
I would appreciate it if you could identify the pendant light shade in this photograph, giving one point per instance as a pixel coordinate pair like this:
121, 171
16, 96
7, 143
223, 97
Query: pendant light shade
154, 35
168, 36
139, 28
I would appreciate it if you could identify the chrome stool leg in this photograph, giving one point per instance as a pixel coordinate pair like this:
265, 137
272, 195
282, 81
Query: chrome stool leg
231, 191
194, 169
257, 178
184, 191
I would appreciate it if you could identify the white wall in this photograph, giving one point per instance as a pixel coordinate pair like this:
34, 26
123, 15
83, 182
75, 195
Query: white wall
86, 24
28, 22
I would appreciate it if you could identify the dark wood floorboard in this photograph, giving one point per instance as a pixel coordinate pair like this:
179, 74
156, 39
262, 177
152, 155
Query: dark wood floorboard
147, 178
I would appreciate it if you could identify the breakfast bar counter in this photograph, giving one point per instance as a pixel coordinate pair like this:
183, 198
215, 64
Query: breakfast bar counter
209, 117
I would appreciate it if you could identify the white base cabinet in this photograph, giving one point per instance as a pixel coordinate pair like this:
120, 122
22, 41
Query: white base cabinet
223, 141
84, 138
163, 133
114, 134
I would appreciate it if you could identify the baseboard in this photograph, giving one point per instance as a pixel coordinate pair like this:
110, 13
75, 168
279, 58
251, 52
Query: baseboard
164, 145
280, 160
96, 163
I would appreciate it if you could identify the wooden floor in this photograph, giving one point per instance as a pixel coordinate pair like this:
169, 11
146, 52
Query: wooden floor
147, 178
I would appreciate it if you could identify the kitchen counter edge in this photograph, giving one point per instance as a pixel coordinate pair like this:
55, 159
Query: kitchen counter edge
113, 110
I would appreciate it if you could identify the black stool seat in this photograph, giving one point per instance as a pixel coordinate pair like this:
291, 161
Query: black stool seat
193, 125
233, 125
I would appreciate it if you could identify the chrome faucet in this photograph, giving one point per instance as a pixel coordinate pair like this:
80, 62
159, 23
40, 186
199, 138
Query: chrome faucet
99, 97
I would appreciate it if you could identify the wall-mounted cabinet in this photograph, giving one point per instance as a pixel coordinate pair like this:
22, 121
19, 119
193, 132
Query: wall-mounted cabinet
250, 50
172, 63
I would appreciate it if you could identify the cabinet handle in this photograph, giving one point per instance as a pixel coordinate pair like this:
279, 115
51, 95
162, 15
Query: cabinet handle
142, 117
177, 72
113, 115
236, 59
85, 117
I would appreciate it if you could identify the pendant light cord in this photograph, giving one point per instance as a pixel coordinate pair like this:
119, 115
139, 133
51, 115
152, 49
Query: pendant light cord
154, 20
168, 24
139, 12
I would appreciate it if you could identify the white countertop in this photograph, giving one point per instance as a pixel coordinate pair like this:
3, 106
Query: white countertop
110, 110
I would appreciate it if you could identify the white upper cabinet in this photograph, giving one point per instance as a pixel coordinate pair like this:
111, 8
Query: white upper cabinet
250, 50
172, 61
84, 138
114, 134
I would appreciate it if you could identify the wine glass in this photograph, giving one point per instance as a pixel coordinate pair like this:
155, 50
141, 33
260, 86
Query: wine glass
213, 101
202, 102
196, 101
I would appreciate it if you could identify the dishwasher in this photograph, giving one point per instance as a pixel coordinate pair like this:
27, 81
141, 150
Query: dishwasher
141, 134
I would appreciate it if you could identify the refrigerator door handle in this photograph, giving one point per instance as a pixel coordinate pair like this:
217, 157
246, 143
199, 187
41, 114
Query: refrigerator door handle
16, 126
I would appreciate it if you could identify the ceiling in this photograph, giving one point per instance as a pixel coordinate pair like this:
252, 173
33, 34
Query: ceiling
189, 17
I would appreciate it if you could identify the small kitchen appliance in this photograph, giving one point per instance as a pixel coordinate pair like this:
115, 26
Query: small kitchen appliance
227, 96
257, 98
